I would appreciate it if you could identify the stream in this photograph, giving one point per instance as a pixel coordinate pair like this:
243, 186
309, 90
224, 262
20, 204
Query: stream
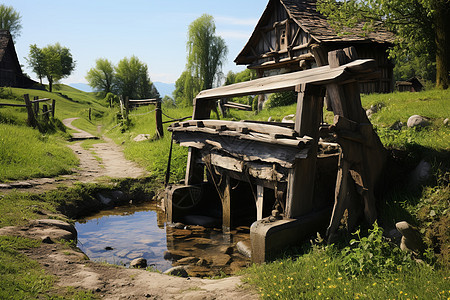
119, 235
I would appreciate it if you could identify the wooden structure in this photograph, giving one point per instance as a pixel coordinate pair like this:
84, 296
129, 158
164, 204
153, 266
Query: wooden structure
126, 104
410, 85
32, 107
10, 71
292, 35
280, 160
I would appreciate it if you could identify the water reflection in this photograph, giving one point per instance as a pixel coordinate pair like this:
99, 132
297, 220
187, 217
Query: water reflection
120, 235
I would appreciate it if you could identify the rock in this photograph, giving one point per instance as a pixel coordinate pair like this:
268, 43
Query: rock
288, 119
179, 271
419, 175
118, 195
220, 259
139, 263
417, 121
5, 186
396, 126
21, 185
394, 235
446, 121
188, 260
47, 240
103, 199
142, 137
178, 225
226, 250
411, 240
175, 254
269, 119
244, 248
108, 248
55, 223
200, 271
374, 109
204, 221
201, 262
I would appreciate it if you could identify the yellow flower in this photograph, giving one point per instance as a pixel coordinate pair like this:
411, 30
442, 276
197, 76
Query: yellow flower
289, 287
320, 293
374, 284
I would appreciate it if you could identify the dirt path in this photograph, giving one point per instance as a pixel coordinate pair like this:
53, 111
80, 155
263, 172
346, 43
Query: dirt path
104, 159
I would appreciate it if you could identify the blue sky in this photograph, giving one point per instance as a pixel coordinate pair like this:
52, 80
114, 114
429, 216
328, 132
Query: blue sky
153, 30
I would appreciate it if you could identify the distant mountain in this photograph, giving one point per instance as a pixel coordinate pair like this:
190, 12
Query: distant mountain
164, 88
82, 87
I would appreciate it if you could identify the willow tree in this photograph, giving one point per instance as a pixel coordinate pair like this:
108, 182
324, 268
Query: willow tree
206, 55
421, 26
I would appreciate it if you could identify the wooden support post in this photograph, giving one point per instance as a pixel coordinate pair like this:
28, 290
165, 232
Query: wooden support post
126, 104
36, 106
226, 203
259, 201
300, 189
53, 108
362, 160
31, 117
158, 117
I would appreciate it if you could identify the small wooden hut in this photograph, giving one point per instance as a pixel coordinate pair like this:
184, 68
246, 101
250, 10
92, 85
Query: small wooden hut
292, 35
10, 71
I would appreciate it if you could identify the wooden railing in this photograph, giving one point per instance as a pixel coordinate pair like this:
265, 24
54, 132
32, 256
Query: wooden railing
32, 107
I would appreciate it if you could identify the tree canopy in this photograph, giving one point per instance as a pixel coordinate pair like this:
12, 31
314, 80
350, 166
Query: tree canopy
421, 27
133, 80
53, 61
10, 20
102, 78
206, 54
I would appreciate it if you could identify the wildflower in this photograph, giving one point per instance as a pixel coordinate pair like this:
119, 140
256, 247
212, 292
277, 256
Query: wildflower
320, 293
374, 284
289, 287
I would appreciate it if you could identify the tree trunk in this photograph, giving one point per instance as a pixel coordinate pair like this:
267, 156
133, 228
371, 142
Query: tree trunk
50, 83
442, 25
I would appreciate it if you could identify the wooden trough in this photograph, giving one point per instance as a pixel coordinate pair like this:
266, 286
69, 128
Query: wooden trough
277, 171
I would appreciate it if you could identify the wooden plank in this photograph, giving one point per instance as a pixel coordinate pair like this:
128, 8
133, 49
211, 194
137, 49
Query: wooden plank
242, 149
284, 82
41, 100
31, 117
237, 126
14, 105
226, 204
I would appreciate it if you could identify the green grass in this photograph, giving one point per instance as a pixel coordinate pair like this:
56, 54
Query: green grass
27, 153
317, 275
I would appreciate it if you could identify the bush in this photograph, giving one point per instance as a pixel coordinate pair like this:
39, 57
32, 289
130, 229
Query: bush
281, 99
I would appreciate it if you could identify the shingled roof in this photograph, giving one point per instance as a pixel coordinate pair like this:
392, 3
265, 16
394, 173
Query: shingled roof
305, 14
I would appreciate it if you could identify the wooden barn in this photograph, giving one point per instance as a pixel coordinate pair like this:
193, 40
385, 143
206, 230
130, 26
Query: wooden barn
10, 71
292, 35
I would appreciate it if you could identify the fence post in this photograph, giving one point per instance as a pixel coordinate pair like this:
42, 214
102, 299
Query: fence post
45, 111
31, 118
158, 117
127, 103
90, 113
36, 106
53, 108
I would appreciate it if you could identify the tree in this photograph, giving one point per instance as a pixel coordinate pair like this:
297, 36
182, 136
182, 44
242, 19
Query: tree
102, 78
36, 61
206, 54
421, 27
133, 79
54, 62
10, 20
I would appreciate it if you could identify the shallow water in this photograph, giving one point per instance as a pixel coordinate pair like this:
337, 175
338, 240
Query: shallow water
120, 235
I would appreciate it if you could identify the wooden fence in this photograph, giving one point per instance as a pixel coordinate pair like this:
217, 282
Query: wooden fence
32, 107
126, 104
